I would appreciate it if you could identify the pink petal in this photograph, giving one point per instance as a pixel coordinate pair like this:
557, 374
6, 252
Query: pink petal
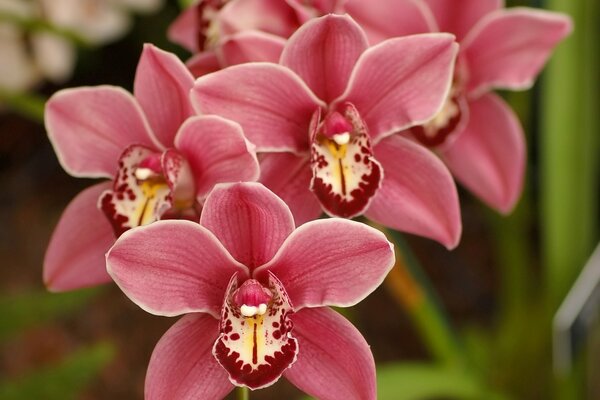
331, 262
509, 47
392, 90
323, 52
488, 157
182, 365
334, 360
250, 46
288, 175
385, 19
203, 63
249, 220
458, 17
271, 103
217, 152
162, 85
180, 179
75, 254
90, 127
418, 193
256, 349
271, 16
184, 30
172, 267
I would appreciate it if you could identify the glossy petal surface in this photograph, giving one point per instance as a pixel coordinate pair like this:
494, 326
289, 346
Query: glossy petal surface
488, 157
75, 254
172, 267
249, 220
334, 360
418, 194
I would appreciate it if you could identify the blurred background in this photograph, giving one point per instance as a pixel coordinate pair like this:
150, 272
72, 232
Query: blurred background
475, 323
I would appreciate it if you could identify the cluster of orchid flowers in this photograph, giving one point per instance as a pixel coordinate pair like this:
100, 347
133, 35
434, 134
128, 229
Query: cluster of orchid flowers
218, 170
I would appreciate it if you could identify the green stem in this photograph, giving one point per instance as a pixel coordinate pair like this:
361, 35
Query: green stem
27, 104
38, 24
410, 287
243, 393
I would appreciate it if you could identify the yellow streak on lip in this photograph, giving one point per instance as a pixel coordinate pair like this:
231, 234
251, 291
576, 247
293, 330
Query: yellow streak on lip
248, 337
144, 213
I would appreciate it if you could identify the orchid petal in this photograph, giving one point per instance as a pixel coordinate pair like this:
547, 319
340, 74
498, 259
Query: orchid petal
271, 103
375, 17
172, 267
488, 157
334, 262
251, 46
217, 152
249, 220
458, 17
271, 16
162, 85
90, 127
323, 52
256, 349
334, 360
509, 47
203, 63
392, 91
183, 30
182, 365
288, 175
418, 194
75, 254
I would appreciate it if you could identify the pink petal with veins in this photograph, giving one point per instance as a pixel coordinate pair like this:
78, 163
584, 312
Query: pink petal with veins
323, 52
508, 48
392, 91
488, 157
250, 46
249, 220
75, 254
333, 262
418, 194
458, 17
90, 127
172, 267
162, 85
182, 365
334, 360
217, 152
271, 103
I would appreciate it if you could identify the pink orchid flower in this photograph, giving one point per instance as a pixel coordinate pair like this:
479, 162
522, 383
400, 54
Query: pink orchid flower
164, 161
325, 117
476, 133
256, 292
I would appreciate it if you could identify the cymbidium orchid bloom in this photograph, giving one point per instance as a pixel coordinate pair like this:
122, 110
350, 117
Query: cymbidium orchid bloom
162, 159
476, 133
325, 118
256, 293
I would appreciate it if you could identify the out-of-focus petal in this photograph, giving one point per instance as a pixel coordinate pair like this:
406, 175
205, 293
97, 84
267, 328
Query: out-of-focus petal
288, 175
184, 30
271, 16
418, 193
249, 220
333, 262
172, 267
250, 46
385, 19
217, 151
182, 365
203, 63
392, 91
90, 127
458, 17
162, 86
334, 360
271, 103
508, 48
323, 53
54, 56
75, 254
488, 157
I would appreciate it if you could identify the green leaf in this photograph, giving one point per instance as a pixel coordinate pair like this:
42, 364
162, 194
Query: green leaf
29, 309
63, 381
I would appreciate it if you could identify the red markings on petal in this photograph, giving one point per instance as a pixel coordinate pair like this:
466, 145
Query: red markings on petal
256, 350
345, 174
